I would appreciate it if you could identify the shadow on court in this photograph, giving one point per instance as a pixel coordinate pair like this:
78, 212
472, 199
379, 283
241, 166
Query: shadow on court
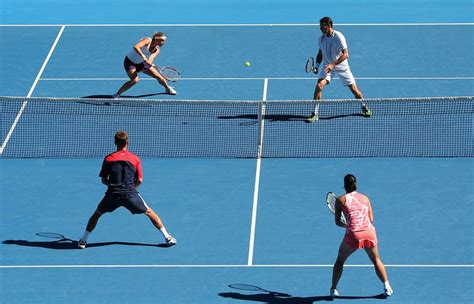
70, 244
284, 117
125, 96
272, 298
276, 297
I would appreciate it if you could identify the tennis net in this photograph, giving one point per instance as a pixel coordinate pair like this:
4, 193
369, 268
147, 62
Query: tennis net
82, 128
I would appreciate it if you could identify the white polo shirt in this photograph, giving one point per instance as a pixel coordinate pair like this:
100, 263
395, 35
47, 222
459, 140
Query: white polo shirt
332, 47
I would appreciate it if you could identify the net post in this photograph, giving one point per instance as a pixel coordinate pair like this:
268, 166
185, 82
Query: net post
261, 119
261, 106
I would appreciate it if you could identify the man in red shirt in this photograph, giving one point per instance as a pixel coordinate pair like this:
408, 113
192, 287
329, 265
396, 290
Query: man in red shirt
122, 173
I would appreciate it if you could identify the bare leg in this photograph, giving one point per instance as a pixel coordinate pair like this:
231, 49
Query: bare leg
153, 72
373, 254
93, 221
133, 75
155, 219
355, 90
344, 252
358, 95
317, 96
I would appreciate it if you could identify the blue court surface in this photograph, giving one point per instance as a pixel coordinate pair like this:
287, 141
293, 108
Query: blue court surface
255, 221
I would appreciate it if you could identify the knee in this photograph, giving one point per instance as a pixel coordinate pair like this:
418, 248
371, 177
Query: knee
149, 212
319, 86
134, 80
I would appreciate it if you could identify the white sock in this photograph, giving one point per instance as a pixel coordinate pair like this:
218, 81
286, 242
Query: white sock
386, 284
85, 236
165, 233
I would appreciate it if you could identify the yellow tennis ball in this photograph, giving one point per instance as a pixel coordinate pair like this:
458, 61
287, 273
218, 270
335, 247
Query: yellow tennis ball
247, 63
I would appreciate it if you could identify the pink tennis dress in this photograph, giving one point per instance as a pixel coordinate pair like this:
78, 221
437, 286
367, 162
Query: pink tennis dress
360, 233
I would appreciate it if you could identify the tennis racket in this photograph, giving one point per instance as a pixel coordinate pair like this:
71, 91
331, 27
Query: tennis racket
170, 73
56, 236
256, 288
331, 202
310, 65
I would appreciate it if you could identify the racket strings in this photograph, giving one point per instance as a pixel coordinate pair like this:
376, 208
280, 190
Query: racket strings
170, 73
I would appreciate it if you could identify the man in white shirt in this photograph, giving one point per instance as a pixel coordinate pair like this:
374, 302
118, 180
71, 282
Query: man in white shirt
333, 53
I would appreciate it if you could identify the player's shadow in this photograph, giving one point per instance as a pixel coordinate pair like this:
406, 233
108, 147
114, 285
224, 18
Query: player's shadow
124, 96
253, 118
257, 294
275, 298
70, 244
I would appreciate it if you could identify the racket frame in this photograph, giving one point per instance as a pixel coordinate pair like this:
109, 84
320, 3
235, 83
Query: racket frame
331, 203
309, 65
169, 68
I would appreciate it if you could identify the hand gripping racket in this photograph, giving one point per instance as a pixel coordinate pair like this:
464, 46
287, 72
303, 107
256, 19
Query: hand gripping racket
331, 202
309, 65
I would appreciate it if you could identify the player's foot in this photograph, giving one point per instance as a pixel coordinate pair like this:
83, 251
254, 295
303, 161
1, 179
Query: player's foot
170, 241
171, 91
334, 293
116, 96
314, 117
81, 244
387, 290
366, 111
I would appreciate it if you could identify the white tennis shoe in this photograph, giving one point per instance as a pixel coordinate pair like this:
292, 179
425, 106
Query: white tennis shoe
171, 91
81, 244
334, 293
387, 290
170, 241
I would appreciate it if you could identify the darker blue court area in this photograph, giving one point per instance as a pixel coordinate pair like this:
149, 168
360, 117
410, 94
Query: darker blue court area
238, 218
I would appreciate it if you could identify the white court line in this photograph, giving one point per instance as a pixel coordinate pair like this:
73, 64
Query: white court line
25, 102
233, 266
242, 25
257, 177
258, 78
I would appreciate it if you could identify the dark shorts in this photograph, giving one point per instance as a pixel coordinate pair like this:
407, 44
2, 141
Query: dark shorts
129, 65
132, 201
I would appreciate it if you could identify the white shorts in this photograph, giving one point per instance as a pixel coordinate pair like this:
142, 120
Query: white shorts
345, 76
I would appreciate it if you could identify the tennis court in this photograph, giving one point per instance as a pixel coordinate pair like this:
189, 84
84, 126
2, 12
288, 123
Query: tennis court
242, 214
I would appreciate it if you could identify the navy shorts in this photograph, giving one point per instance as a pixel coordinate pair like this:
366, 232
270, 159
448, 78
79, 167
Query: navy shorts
132, 201
128, 64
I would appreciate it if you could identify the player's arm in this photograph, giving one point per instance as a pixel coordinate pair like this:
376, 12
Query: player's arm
138, 182
139, 174
153, 56
371, 214
319, 59
137, 47
338, 212
344, 56
104, 175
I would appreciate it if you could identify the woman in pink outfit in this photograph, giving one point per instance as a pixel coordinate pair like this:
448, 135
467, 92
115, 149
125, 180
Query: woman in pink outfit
360, 233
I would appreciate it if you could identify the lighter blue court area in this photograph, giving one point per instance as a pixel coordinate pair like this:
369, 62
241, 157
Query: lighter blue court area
238, 220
